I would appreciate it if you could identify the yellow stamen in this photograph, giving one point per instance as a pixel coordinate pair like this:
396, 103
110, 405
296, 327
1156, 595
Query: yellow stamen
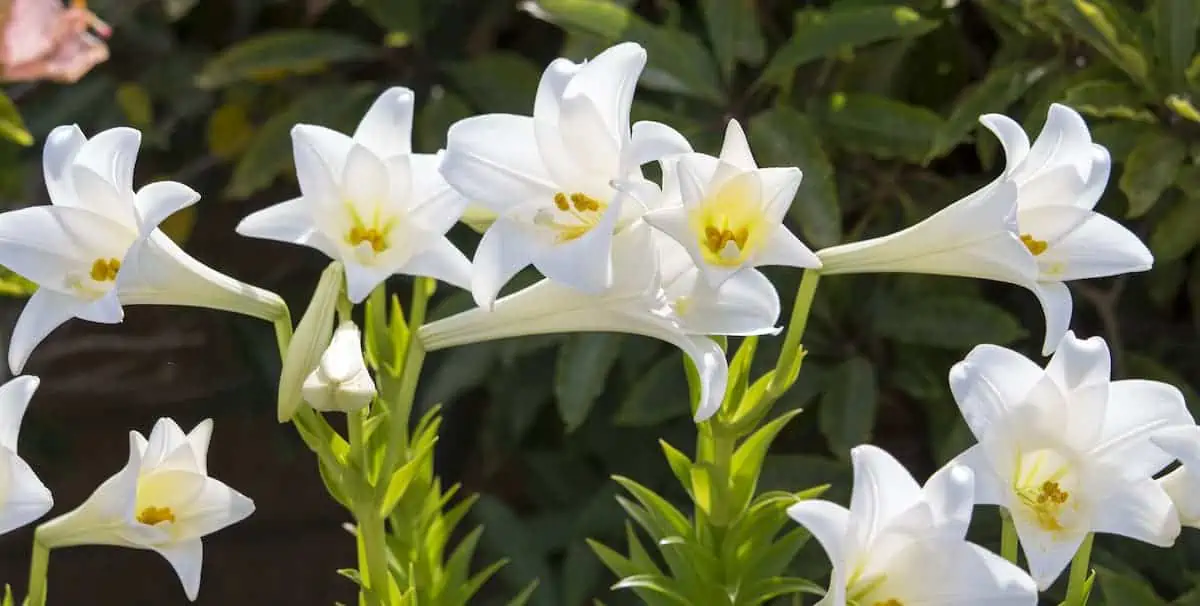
560, 200
105, 270
583, 212
1046, 503
1035, 246
891, 602
152, 515
358, 235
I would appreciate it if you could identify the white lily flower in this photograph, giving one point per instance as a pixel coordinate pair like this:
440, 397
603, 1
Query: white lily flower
745, 304
98, 247
369, 202
550, 178
635, 304
1059, 179
1182, 484
23, 497
162, 500
1066, 451
341, 382
900, 544
975, 237
730, 212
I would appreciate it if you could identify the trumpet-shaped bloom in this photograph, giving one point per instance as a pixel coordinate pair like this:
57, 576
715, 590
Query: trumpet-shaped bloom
550, 178
369, 202
636, 303
162, 500
23, 497
98, 246
1183, 484
341, 381
1059, 180
1066, 451
900, 543
974, 237
730, 212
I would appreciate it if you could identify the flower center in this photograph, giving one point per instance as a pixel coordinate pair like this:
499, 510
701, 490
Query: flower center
1034, 245
1045, 503
889, 602
105, 270
152, 516
573, 216
730, 224
370, 235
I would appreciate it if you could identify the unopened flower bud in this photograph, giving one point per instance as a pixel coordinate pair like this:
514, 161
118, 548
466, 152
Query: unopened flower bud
341, 382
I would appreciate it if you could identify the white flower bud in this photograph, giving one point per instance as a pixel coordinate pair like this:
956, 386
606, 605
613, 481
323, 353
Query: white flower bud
341, 381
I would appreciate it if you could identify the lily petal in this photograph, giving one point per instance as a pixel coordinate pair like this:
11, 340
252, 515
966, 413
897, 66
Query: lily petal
290, 222
314, 169
950, 492
1183, 488
1012, 138
736, 150
386, 128
14, 400
883, 489
830, 525
584, 263
187, 559
784, 248
989, 488
442, 260
609, 80
45, 311
652, 141
1138, 410
112, 502
917, 576
746, 304
157, 201
111, 154
989, 382
1096, 248
58, 153
1140, 510
198, 438
1047, 553
507, 247
1057, 305
1080, 363
23, 497
494, 160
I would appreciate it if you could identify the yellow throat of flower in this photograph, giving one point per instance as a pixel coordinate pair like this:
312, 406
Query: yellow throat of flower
730, 225
152, 516
573, 215
374, 232
1034, 245
105, 270
1045, 503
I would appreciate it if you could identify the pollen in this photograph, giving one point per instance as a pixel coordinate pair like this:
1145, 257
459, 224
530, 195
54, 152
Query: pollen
152, 516
583, 203
1034, 245
715, 239
358, 235
105, 270
1046, 503
560, 200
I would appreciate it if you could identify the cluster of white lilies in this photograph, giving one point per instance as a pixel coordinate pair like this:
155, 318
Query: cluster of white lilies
1063, 449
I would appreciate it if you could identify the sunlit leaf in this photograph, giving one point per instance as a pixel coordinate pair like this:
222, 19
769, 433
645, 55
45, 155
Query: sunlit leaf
784, 137
287, 51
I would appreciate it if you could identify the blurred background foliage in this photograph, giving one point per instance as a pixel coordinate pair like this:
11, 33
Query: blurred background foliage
875, 100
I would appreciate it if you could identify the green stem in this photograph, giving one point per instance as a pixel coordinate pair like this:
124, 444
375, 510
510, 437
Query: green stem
1077, 594
787, 365
1008, 537
374, 570
39, 564
414, 359
722, 443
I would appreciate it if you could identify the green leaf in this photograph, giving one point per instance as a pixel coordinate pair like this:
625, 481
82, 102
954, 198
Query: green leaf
398, 17
847, 411
952, 322
1126, 589
784, 137
656, 396
270, 151
820, 33
734, 32
526, 594
1107, 99
580, 574
1120, 137
1089, 20
748, 460
580, 372
995, 93
1177, 232
1150, 169
1175, 25
12, 127
496, 82
678, 62
280, 52
653, 582
880, 126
